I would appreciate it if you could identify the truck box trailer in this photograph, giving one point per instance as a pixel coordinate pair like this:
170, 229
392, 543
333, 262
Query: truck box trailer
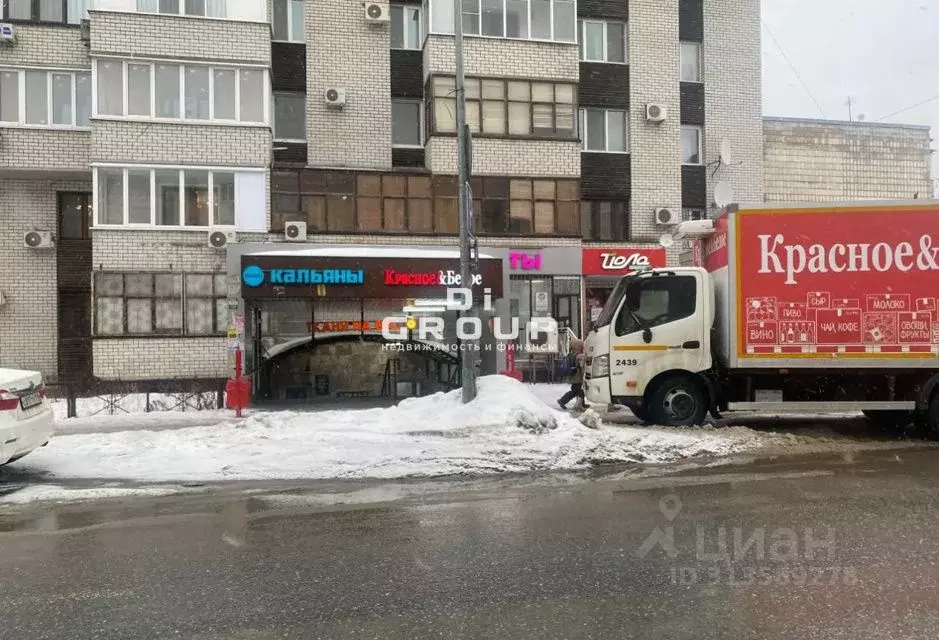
823, 307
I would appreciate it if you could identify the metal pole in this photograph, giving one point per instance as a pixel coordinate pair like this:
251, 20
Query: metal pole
467, 354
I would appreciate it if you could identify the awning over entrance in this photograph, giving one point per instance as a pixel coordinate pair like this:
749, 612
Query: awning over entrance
362, 273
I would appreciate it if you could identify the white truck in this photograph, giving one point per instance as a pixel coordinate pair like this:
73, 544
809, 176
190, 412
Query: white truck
808, 308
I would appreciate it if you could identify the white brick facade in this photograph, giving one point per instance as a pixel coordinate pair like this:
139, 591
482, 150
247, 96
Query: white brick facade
169, 143
46, 46
160, 358
45, 149
498, 157
733, 96
824, 160
503, 58
125, 34
655, 149
344, 52
28, 319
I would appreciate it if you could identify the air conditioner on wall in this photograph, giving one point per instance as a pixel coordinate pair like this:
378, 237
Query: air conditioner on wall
666, 217
335, 98
295, 231
377, 13
656, 113
38, 240
221, 238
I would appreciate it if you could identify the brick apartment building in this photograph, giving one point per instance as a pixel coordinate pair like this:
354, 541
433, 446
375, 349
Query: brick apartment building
132, 130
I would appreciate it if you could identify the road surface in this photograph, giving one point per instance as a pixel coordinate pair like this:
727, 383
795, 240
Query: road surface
822, 546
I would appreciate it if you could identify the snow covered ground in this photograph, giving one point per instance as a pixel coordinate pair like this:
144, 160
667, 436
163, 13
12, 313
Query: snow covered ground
510, 427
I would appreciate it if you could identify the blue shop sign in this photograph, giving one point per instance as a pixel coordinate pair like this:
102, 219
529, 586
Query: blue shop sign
254, 276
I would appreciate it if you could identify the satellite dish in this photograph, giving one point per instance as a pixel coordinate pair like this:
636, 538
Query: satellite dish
723, 194
666, 240
727, 154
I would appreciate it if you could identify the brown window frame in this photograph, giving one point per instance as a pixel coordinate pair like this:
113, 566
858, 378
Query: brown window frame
552, 133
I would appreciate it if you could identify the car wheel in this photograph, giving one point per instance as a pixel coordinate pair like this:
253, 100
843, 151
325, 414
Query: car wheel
678, 401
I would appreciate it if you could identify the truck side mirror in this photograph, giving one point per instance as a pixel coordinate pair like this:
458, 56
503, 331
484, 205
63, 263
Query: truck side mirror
647, 335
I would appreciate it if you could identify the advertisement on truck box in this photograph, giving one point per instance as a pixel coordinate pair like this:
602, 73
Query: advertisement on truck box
831, 283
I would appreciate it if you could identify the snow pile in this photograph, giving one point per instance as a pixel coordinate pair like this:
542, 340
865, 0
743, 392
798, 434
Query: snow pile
505, 429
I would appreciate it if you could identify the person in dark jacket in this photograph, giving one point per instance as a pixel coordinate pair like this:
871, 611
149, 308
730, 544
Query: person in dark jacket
575, 377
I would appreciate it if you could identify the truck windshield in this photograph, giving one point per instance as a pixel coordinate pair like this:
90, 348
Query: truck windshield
609, 309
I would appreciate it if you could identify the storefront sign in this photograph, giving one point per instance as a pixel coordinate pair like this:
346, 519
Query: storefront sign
344, 325
447, 278
620, 261
254, 276
283, 275
519, 261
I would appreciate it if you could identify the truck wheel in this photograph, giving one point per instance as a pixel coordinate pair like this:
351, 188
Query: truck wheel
892, 421
931, 419
678, 401
642, 414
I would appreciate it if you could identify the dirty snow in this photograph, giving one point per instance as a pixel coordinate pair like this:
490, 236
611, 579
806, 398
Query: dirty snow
506, 429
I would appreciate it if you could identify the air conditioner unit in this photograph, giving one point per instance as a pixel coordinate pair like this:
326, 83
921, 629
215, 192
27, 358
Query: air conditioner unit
666, 217
38, 240
7, 33
295, 231
656, 113
335, 97
377, 13
221, 238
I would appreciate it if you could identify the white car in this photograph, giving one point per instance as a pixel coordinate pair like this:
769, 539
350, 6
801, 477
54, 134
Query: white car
26, 419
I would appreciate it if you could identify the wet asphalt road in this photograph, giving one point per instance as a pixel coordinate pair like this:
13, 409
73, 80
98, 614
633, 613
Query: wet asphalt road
548, 557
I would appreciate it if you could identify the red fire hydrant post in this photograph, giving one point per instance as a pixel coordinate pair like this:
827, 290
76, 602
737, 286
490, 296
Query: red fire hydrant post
239, 401
238, 388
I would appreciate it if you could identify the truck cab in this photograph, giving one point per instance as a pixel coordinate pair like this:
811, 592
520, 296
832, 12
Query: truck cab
650, 345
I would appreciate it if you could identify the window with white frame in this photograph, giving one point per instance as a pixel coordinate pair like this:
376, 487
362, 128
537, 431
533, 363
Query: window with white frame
41, 98
526, 19
406, 123
49, 11
156, 304
164, 197
690, 62
604, 130
691, 145
287, 20
168, 90
602, 41
290, 117
202, 8
405, 27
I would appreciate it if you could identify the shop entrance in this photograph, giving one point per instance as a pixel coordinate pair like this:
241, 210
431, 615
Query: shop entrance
317, 315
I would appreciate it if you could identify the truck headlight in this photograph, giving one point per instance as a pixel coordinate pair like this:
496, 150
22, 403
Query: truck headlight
601, 367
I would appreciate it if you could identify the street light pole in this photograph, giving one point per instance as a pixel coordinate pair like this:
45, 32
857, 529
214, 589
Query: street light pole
467, 354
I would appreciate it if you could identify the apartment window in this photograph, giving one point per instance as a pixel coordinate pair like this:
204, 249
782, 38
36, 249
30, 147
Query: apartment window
500, 107
193, 198
51, 11
159, 304
180, 92
691, 151
344, 201
406, 123
602, 41
604, 130
692, 214
287, 20
203, 8
405, 27
525, 19
604, 220
45, 98
690, 62
290, 116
